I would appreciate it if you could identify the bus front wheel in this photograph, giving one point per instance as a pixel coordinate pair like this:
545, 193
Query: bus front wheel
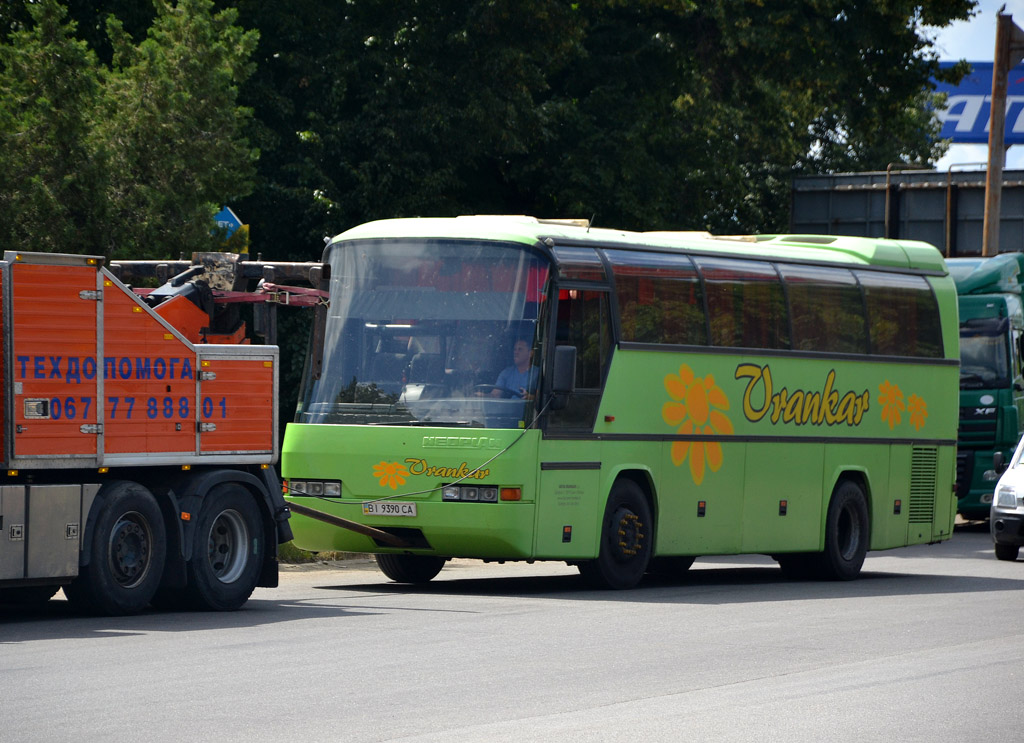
847, 531
409, 568
627, 534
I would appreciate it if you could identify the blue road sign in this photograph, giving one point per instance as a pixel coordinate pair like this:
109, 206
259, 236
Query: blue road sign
969, 106
228, 220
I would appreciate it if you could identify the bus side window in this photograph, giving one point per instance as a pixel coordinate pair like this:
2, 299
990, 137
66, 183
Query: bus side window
659, 297
826, 308
584, 321
903, 314
746, 303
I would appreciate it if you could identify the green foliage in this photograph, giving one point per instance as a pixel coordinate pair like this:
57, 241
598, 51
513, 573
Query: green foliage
170, 104
654, 114
52, 170
130, 160
645, 114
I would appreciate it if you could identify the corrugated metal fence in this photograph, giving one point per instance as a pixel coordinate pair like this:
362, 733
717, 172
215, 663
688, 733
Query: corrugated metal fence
945, 209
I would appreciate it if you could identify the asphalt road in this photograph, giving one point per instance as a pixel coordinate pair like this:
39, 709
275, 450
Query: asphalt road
927, 645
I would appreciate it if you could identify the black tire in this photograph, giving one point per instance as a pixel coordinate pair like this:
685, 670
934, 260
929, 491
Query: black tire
410, 568
847, 534
227, 550
1007, 552
627, 536
128, 549
27, 595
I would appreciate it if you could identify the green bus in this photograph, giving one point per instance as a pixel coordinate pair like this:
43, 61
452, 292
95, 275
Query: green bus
509, 388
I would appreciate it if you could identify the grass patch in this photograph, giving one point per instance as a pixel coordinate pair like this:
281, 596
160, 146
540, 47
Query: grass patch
289, 553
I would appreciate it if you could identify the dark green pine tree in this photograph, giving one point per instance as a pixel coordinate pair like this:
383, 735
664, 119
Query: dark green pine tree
53, 171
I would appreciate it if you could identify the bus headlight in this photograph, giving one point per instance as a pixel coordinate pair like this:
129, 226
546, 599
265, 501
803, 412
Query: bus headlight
470, 493
325, 488
1006, 497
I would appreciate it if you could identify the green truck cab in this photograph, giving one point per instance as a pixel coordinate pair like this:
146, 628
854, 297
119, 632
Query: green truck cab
991, 385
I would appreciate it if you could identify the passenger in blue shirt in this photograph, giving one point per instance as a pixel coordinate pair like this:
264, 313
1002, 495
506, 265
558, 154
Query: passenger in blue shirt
519, 379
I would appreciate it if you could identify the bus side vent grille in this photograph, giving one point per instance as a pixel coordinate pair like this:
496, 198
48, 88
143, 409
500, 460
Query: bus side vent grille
923, 461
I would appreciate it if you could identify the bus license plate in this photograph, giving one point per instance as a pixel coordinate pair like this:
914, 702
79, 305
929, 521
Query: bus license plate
385, 508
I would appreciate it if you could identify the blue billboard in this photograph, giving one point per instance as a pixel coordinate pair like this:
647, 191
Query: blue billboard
965, 119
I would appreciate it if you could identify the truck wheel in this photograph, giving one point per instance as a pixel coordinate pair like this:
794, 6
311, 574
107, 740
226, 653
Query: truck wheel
627, 534
846, 534
128, 549
1007, 552
228, 550
410, 568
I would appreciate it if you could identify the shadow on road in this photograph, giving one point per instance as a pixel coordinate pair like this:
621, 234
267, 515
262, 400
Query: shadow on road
716, 585
715, 580
58, 619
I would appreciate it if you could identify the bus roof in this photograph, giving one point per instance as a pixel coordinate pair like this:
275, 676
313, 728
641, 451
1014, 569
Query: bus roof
530, 231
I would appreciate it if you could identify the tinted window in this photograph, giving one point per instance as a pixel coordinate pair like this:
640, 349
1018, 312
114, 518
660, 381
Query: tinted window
659, 298
746, 304
903, 316
582, 264
826, 309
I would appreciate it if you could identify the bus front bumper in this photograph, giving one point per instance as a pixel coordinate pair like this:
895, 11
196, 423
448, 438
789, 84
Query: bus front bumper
475, 530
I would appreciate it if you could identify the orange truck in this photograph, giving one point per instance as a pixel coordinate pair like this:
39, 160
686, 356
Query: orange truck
139, 431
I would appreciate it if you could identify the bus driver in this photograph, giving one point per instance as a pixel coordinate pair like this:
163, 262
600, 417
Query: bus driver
519, 379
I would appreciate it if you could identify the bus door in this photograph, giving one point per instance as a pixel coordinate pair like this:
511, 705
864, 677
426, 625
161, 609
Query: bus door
571, 494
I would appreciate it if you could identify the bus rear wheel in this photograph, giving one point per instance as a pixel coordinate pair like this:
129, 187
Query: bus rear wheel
627, 534
410, 568
847, 530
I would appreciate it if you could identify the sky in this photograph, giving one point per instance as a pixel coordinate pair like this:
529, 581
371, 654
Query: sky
975, 41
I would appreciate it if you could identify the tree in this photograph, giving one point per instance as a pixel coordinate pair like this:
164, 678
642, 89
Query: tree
169, 111
646, 114
53, 172
653, 114
131, 160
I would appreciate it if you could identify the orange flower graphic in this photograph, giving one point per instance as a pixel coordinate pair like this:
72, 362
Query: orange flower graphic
695, 409
918, 410
891, 400
390, 474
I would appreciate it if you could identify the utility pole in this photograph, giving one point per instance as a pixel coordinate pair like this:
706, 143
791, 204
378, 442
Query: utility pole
1009, 51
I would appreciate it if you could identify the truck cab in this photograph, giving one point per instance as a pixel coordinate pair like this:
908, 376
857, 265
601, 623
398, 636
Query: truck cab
991, 384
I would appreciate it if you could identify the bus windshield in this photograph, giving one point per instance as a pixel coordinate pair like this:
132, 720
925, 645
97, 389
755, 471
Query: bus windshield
984, 360
429, 332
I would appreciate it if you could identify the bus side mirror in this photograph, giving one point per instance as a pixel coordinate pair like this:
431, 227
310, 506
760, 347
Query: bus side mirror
563, 381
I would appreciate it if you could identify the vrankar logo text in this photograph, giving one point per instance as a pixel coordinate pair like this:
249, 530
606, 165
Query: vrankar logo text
801, 407
393, 474
697, 410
